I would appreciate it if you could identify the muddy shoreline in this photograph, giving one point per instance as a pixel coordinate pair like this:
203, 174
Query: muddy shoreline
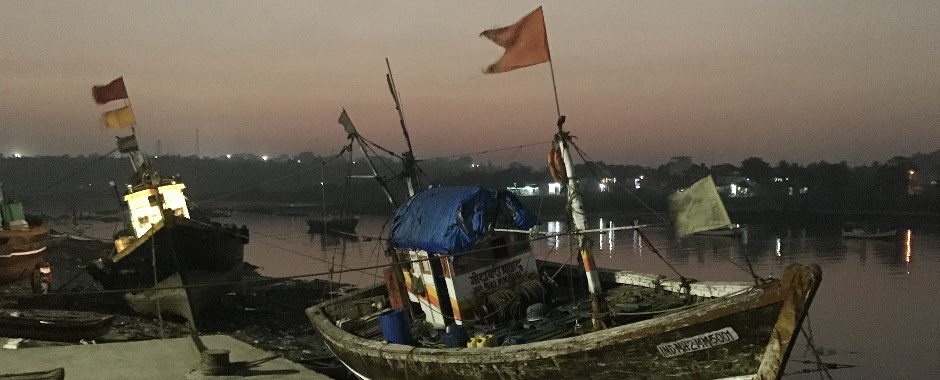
264, 312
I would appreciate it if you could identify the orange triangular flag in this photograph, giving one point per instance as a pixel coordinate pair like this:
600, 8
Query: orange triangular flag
525, 41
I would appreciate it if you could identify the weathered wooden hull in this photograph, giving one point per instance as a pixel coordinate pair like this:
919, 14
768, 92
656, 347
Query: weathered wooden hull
764, 320
187, 253
53, 325
20, 251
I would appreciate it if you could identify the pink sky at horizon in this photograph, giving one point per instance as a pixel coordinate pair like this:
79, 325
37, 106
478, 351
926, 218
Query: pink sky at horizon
639, 82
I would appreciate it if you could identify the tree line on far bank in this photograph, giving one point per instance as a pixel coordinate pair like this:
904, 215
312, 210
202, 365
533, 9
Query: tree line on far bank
902, 184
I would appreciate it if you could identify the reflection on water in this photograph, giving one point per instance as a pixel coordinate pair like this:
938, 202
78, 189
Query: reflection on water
907, 246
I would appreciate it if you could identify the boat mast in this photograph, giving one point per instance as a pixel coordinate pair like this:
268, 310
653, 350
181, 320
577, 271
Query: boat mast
408, 157
599, 315
355, 137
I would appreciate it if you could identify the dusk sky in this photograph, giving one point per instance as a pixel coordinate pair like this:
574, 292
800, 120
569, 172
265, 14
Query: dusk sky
639, 81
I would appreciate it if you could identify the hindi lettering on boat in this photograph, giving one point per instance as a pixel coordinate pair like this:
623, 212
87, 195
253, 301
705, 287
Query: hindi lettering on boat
526, 43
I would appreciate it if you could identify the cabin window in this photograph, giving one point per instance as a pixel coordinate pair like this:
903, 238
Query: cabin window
143, 220
153, 200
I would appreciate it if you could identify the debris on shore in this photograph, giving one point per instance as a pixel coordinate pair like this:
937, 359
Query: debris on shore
265, 312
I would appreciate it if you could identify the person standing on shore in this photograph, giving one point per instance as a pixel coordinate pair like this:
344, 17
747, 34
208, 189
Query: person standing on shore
42, 278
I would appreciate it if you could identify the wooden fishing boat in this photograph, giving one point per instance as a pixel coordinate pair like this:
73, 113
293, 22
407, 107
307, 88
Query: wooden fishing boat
52, 374
164, 248
861, 230
657, 327
167, 261
53, 325
462, 266
333, 225
21, 244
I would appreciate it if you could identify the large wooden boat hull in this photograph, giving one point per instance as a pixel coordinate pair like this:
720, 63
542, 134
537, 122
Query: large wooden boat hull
197, 261
20, 251
747, 334
53, 325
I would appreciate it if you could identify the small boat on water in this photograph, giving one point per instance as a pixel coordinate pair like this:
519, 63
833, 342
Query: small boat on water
52, 374
22, 244
345, 226
861, 230
167, 261
53, 325
730, 230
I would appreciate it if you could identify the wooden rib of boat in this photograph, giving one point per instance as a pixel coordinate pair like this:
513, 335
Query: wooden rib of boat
52, 374
53, 325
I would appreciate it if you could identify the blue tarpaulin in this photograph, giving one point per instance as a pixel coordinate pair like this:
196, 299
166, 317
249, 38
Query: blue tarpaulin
450, 220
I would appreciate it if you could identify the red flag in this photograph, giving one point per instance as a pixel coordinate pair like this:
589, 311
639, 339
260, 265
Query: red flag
111, 91
525, 41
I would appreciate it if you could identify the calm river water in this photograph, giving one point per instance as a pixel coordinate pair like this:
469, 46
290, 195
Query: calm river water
876, 309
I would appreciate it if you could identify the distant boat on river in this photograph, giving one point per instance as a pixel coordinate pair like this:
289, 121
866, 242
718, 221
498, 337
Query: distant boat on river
861, 230
331, 225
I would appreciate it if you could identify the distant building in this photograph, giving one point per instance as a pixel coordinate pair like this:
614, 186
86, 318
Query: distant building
679, 165
525, 191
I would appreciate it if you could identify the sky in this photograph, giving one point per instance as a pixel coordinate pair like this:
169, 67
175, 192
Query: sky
639, 81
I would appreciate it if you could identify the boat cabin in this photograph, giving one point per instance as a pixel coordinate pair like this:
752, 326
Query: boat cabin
146, 206
453, 257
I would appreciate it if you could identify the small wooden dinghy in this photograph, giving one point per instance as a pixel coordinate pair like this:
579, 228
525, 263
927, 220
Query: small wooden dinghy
53, 325
52, 374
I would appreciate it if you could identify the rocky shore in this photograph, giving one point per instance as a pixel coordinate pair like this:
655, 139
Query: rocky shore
264, 312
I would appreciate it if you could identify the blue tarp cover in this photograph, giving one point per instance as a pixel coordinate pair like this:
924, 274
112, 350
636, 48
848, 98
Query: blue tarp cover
450, 220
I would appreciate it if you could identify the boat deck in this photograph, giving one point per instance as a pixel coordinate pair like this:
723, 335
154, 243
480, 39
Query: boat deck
631, 297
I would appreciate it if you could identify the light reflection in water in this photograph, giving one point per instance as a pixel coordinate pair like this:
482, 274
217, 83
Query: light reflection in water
607, 236
778, 247
554, 228
907, 246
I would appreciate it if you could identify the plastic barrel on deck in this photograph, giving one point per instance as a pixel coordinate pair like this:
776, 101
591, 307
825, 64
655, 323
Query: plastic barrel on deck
395, 327
455, 336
